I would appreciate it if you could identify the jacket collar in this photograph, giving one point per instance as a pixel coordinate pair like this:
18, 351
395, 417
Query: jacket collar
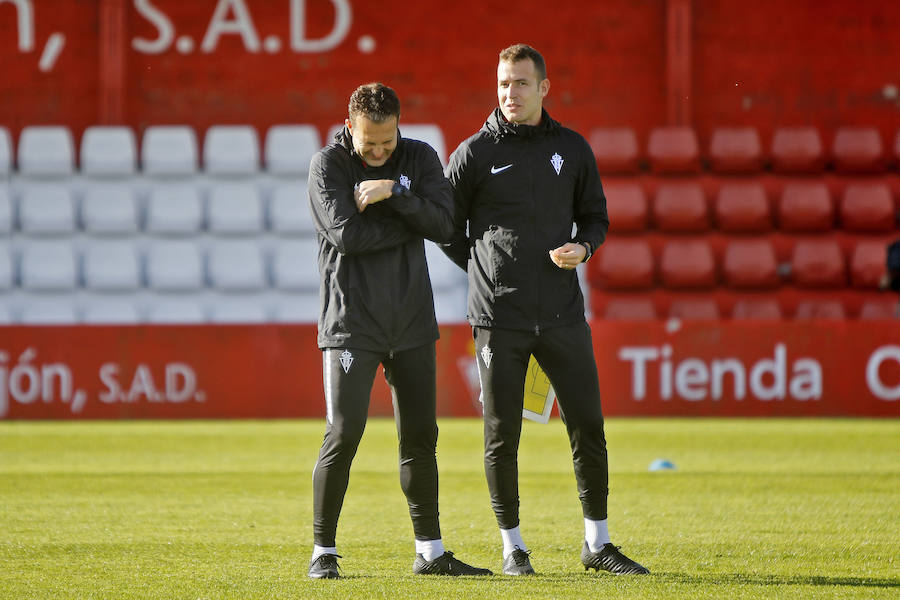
498, 127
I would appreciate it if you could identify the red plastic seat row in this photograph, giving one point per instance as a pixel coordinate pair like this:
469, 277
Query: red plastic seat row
744, 207
744, 264
764, 306
794, 149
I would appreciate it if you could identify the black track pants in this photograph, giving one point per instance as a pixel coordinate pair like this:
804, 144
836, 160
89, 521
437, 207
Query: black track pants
566, 355
348, 377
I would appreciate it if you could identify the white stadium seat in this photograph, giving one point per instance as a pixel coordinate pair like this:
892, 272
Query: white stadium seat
290, 148
176, 311
169, 150
7, 272
46, 151
55, 311
238, 310
108, 151
428, 133
289, 210
6, 153
47, 209
174, 266
295, 265
231, 150
234, 209
110, 208
174, 209
237, 266
6, 212
48, 266
112, 311
111, 266
297, 308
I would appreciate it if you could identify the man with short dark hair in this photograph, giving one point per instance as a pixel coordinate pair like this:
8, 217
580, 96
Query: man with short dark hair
374, 196
520, 184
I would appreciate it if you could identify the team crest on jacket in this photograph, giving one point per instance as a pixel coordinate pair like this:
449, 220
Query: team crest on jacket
404, 181
486, 356
557, 161
346, 359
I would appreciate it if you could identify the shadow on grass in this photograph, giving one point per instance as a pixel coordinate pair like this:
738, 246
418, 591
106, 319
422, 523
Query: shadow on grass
757, 579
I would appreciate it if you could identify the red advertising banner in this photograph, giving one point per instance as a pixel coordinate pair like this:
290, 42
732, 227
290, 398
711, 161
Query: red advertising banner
722, 368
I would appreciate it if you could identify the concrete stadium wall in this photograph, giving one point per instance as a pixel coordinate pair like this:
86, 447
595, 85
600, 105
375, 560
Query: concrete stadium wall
612, 62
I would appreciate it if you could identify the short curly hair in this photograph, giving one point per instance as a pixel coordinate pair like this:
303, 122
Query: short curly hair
375, 101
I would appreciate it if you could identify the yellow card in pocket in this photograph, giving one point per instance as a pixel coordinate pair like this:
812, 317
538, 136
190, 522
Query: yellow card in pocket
539, 394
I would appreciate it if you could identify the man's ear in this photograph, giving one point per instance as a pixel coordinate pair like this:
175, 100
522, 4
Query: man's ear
349, 125
544, 87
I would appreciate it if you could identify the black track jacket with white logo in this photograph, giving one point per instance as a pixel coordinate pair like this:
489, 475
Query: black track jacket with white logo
518, 189
375, 292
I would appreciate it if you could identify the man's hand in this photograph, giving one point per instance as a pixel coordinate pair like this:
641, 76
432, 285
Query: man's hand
372, 191
568, 256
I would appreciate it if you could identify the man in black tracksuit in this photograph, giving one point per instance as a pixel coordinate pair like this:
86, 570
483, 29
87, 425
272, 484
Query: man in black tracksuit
520, 184
374, 196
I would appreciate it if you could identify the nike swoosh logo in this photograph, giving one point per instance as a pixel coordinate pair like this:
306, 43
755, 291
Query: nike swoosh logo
495, 170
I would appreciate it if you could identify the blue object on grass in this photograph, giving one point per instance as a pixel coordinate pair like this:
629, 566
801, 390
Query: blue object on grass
661, 464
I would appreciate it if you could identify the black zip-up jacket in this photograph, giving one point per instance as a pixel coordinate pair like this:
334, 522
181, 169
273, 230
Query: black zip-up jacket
375, 292
518, 190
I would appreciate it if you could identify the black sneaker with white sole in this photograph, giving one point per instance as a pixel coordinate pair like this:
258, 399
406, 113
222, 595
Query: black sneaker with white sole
324, 567
445, 564
517, 563
610, 559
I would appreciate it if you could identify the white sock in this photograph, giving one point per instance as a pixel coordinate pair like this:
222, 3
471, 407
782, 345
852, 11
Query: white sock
595, 534
320, 550
430, 549
512, 539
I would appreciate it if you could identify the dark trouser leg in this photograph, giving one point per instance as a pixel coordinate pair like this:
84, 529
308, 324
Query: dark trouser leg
411, 376
567, 356
501, 369
347, 404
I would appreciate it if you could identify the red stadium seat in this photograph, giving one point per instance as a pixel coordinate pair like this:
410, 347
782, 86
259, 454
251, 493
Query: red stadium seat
896, 156
797, 150
820, 309
626, 204
858, 150
615, 149
868, 264
757, 308
868, 207
680, 207
694, 309
880, 309
735, 150
687, 263
743, 208
750, 264
806, 206
622, 263
818, 263
673, 150
636, 309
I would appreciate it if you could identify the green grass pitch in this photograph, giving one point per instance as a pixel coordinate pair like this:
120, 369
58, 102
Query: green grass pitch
757, 508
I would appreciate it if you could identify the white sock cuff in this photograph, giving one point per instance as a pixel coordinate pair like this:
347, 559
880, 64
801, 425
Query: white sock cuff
596, 534
430, 549
512, 539
320, 550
